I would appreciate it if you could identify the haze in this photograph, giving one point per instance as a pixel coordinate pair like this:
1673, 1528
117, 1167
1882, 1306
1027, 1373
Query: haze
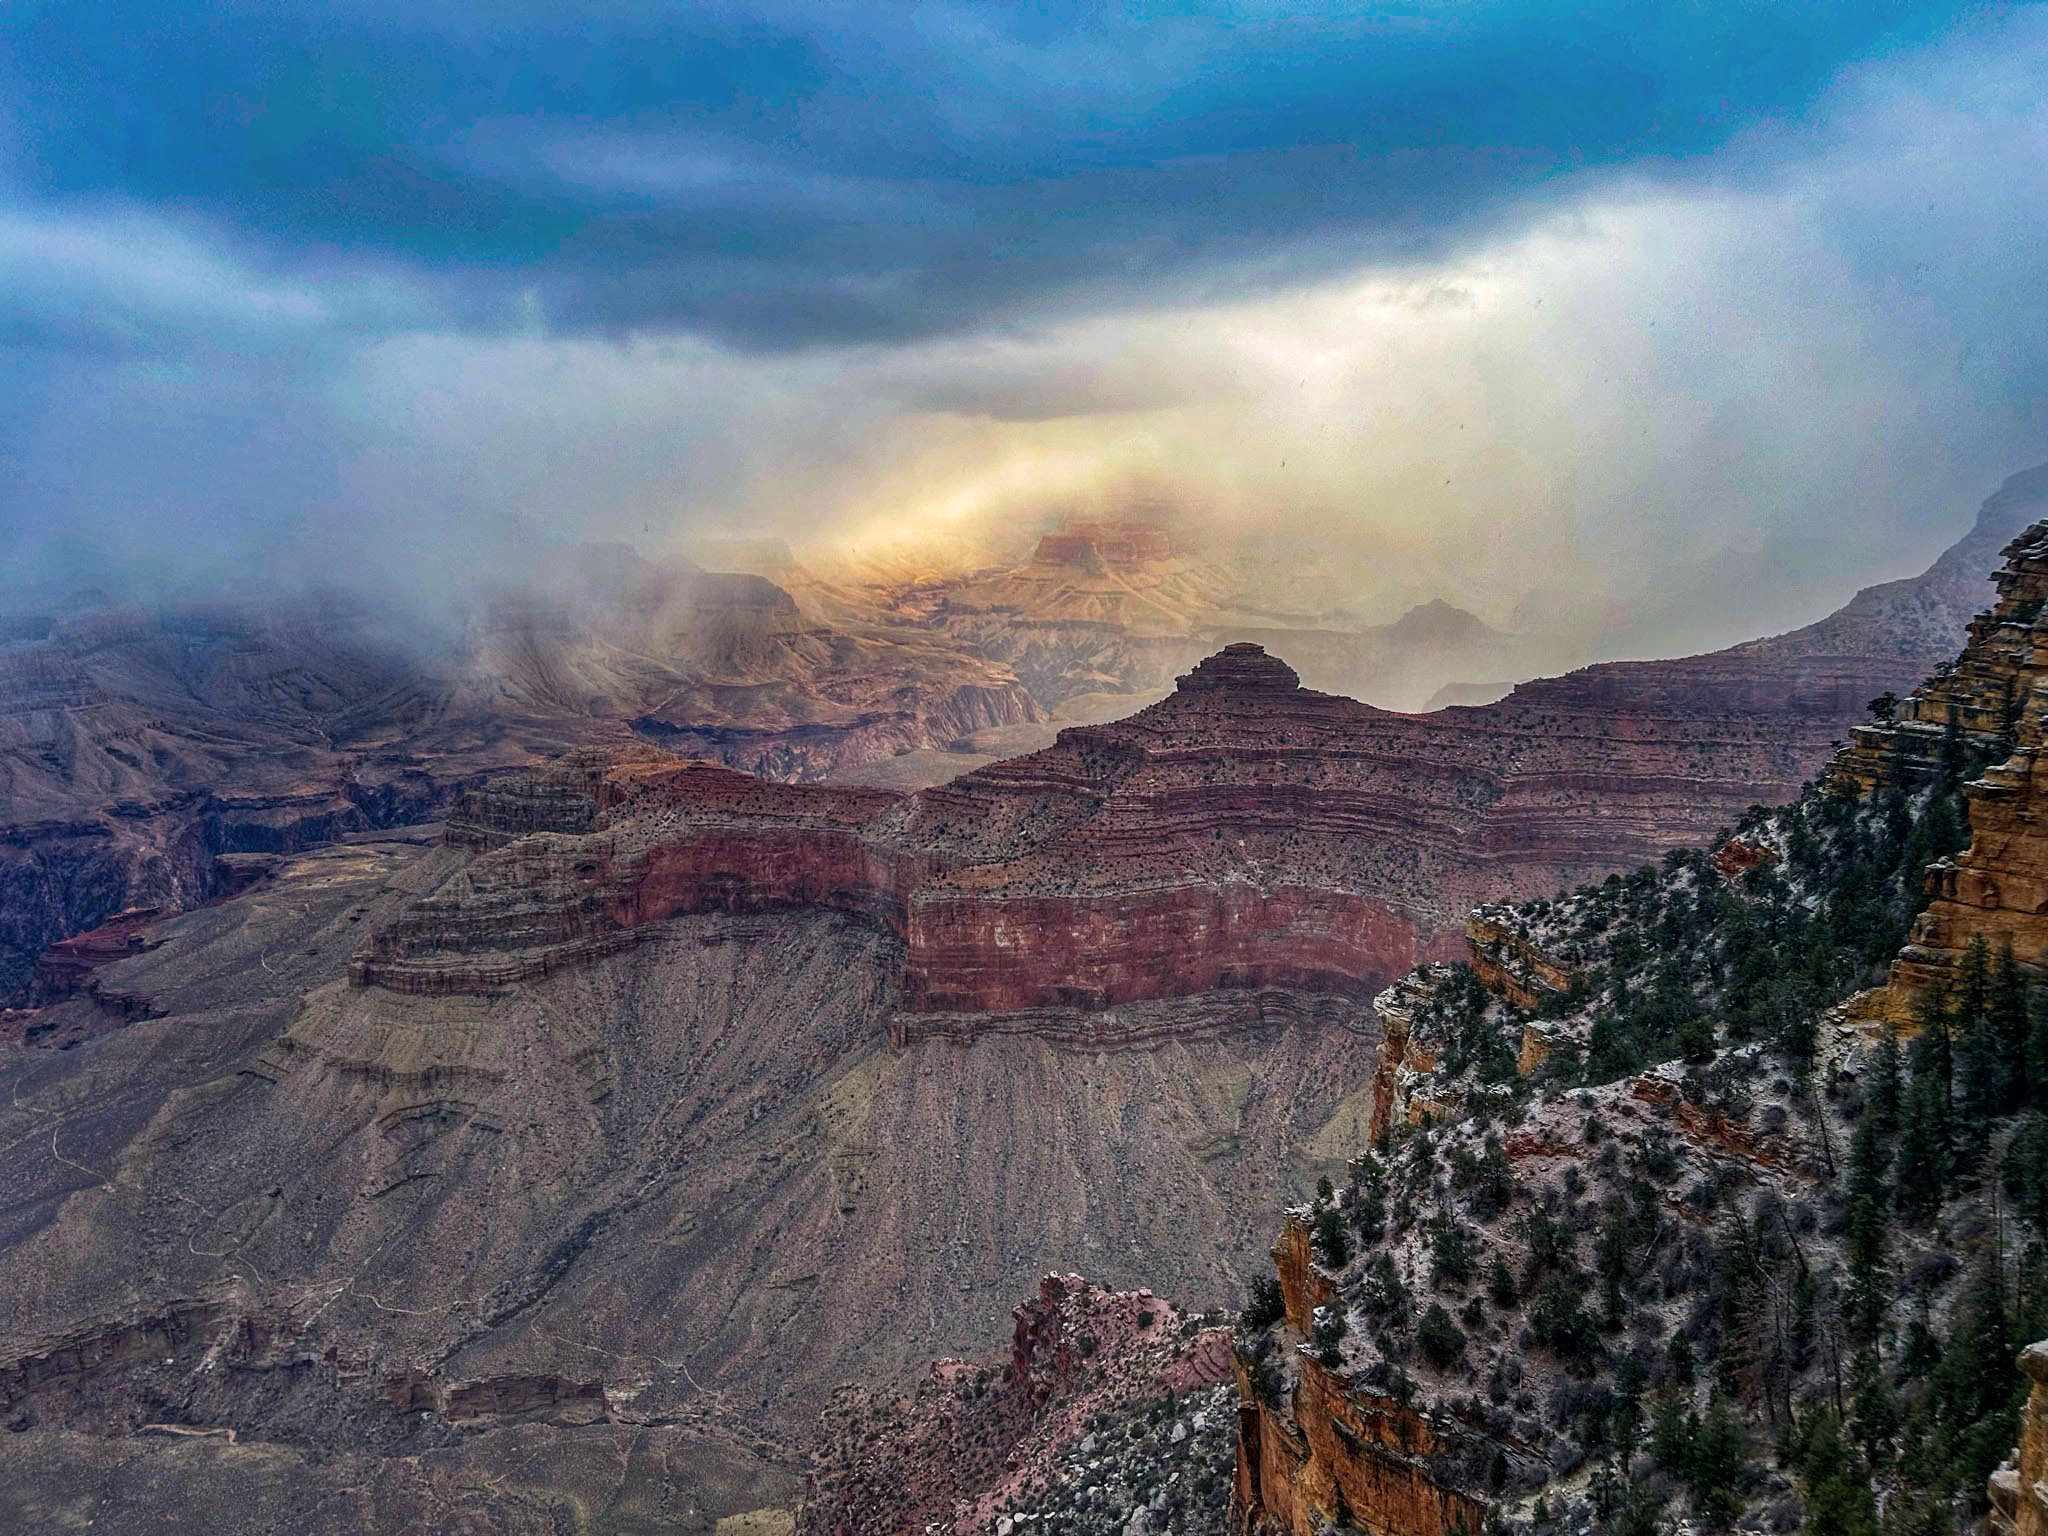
1592, 319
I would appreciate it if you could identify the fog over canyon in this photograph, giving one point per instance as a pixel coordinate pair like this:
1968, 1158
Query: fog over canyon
1240, 770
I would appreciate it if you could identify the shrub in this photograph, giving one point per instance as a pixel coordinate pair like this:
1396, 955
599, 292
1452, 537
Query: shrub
1264, 1306
1440, 1339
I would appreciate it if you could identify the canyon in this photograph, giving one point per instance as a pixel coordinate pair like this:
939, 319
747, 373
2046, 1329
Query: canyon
1340, 1422
642, 1081
157, 756
1243, 834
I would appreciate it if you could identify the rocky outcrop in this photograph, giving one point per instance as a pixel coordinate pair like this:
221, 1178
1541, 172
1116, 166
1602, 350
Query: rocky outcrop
1314, 1450
1980, 702
1991, 704
669, 838
1510, 966
2019, 1489
1110, 1415
1337, 1455
1995, 891
68, 966
1103, 543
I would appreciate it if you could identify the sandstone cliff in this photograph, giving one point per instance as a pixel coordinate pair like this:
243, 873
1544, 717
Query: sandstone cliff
1990, 707
2019, 1489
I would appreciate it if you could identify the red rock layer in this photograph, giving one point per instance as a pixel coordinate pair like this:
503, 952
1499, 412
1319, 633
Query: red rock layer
1316, 1451
1243, 832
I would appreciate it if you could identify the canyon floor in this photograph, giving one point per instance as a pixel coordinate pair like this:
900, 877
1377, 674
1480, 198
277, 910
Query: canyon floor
695, 1174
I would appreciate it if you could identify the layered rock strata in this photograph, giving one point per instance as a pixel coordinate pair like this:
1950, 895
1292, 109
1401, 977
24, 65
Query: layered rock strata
1991, 703
1244, 833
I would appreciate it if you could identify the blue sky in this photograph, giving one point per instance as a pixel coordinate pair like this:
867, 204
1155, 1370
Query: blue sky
322, 286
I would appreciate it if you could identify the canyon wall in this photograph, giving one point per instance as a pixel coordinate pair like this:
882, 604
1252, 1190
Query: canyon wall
1314, 1450
1244, 832
2019, 1489
1989, 709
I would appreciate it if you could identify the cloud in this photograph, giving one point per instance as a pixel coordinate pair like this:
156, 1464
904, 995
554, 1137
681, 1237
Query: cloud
784, 174
1770, 333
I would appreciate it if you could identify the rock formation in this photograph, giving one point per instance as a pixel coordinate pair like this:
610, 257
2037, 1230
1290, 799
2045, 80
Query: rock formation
1989, 707
137, 748
1243, 833
2019, 1489
1110, 1414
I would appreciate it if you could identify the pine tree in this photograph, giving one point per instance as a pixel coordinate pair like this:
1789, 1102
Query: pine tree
2023, 1172
2006, 1008
1972, 999
1836, 1491
1934, 1046
1617, 1245
1440, 1339
1668, 1431
1921, 1172
2037, 1047
1975, 1389
1333, 1244
1718, 1466
1874, 1408
1886, 1083
1954, 758
1451, 1254
1869, 1291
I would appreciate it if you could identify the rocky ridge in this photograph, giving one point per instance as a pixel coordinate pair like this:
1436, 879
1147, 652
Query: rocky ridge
1993, 704
1632, 1067
1111, 1415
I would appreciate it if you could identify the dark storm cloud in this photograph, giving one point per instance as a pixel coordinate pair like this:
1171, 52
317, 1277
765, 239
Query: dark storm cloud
814, 172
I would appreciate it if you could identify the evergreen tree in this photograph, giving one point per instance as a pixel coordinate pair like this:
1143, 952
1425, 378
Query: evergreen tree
1874, 1408
1975, 1394
1333, 1243
1869, 1291
2006, 1008
1718, 1466
1922, 1169
1736, 1369
1440, 1340
2036, 1057
1669, 1433
2024, 1170
1887, 1086
1836, 1490
1451, 1253
1934, 1046
1617, 1245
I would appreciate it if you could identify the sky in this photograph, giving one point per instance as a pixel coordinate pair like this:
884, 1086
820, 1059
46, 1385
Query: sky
1676, 321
